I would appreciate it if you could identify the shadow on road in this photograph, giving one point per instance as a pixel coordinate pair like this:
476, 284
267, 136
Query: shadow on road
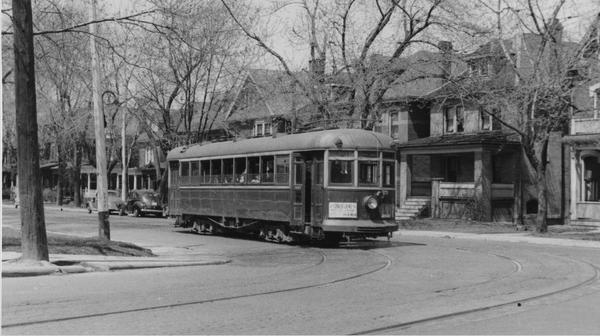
358, 244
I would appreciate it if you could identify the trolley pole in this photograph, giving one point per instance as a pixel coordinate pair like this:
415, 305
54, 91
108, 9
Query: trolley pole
101, 186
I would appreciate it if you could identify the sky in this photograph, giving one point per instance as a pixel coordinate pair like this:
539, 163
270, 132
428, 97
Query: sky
576, 16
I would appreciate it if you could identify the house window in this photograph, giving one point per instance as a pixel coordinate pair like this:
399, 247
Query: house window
148, 156
454, 119
479, 67
395, 125
488, 118
262, 128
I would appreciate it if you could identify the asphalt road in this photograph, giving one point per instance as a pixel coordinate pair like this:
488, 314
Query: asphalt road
411, 285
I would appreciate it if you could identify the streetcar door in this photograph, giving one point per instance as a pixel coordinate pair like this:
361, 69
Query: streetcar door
316, 189
298, 193
174, 195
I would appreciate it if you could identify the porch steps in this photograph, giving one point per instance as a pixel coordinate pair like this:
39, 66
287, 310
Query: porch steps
412, 208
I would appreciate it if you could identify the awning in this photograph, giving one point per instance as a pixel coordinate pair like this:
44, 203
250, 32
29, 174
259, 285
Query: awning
493, 138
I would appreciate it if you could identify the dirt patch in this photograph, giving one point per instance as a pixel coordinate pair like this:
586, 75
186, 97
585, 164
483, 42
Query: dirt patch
63, 244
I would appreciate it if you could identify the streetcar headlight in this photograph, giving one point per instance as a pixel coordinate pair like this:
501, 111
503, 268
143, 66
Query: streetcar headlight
372, 203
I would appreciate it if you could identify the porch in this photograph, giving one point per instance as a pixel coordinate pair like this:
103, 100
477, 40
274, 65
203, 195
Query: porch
474, 176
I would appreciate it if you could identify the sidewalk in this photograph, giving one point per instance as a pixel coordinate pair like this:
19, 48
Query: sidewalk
70, 263
517, 237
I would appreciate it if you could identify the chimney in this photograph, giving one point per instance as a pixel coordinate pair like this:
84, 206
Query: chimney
445, 48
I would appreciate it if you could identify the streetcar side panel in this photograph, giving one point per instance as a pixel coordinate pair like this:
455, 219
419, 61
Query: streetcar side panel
242, 203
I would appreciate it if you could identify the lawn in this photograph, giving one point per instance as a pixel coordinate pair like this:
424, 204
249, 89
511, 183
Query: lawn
64, 244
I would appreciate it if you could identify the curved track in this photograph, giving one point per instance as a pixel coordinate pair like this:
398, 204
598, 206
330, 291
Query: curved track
387, 263
589, 282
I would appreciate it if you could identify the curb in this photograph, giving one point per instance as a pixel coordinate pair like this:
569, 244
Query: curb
11, 269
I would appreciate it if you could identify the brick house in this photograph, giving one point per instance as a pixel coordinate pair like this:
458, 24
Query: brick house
470, 165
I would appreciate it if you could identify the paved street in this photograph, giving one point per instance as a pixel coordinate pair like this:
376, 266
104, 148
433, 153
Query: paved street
412, 285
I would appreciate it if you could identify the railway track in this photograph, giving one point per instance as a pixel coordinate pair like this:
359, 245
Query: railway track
593, 283
387, 262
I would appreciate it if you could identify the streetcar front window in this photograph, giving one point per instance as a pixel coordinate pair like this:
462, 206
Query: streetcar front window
341, 171
388, 173
368, 172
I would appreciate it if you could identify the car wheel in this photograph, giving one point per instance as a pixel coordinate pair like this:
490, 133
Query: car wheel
137, 212
122, 211
89, 209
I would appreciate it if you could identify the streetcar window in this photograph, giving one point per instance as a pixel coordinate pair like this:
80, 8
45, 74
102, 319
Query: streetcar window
185, 168
388, 173
215, 171
227, 171
240, 170
195, 168
298, 178
195, 172
282, 169
368, 172
267, 169
341, 171
319, 173
254, 169
204, 172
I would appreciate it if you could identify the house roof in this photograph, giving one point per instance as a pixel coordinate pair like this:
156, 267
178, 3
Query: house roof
421, 73
272, 93
457, 139
319, 140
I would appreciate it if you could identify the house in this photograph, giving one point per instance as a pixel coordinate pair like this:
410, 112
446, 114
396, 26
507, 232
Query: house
583, 141
471, 165
266, 102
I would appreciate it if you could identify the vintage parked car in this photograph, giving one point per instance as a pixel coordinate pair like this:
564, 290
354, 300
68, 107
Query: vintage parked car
142, 202
115, 204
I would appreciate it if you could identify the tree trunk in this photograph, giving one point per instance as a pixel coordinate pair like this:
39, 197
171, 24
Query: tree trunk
541, 218
34, 244
77, 175
60, 187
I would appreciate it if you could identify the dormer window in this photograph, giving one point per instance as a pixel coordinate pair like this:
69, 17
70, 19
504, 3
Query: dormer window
262, 128
454, 119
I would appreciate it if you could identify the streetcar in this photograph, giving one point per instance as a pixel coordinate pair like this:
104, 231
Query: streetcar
326, 185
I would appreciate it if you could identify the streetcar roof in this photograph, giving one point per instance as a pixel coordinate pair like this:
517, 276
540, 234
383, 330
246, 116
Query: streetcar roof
348, 139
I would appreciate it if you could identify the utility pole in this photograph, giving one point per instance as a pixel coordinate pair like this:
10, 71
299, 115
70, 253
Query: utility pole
34, 243
101, 186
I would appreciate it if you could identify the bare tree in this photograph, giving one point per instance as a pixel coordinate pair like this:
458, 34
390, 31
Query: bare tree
338, 33
537, 100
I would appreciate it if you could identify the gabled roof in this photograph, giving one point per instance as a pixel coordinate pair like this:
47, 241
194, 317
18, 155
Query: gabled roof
272, 93
420, 74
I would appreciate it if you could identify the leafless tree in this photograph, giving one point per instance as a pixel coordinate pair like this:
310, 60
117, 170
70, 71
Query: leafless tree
538, 102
